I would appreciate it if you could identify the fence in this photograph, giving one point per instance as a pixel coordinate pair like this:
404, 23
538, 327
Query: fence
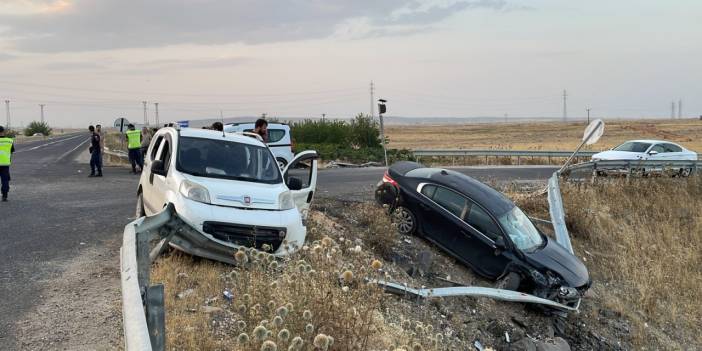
518, 154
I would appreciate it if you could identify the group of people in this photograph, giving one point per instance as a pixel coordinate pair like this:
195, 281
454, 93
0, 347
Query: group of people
260, 128
137, 144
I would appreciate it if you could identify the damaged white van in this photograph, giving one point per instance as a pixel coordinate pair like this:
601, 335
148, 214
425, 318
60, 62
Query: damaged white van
228, 187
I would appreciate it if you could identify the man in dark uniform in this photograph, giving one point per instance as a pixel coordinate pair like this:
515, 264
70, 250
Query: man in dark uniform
95, 156
7, 147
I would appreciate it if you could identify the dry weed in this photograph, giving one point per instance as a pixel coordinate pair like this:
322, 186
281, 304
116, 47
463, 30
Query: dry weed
643, 239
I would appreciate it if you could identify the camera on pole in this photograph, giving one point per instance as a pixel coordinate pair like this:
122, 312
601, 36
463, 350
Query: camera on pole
382, 109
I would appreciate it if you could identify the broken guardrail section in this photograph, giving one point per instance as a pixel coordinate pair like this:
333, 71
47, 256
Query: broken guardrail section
475, 291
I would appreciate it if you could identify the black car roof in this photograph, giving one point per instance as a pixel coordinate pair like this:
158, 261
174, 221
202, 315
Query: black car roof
493, 200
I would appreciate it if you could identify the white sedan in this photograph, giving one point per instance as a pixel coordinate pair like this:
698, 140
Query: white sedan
655, 150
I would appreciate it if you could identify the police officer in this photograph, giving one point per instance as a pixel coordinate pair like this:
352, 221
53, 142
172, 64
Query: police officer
7, 147
134, 146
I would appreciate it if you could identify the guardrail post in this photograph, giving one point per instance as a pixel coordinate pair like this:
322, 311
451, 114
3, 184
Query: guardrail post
518, 161
156, 316
143, 261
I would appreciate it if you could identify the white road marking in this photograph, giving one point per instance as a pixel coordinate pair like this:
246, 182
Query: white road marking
47, 144
74, 149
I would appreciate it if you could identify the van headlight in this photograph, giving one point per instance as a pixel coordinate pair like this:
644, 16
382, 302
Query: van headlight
286, 201
195, 192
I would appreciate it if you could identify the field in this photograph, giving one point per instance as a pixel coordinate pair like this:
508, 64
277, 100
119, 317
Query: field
644, 258
541, 136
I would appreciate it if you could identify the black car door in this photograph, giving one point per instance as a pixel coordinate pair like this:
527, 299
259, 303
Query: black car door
440, 212
477, 242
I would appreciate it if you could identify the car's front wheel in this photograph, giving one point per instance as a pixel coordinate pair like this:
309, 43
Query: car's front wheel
511, 281
140, 212
405, 220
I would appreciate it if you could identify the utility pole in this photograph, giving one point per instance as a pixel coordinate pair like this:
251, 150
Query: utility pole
680, 109
263, 115
156, 114
146, 118
565, 105
588, 115
672, 110
7, 113
42, 112
372, 100
323, 116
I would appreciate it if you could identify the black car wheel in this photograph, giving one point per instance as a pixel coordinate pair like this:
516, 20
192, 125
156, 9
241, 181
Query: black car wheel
405, 220
140, 212
509, 282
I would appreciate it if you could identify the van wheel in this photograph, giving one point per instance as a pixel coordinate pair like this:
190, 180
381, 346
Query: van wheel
140, 212
281, 162
509, 282
405, 220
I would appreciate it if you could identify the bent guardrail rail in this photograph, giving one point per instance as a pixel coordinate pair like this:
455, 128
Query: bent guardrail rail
555, 209
497, 153
474, 291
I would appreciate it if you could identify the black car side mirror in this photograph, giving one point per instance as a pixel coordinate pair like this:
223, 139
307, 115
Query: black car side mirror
294, 183
158, 168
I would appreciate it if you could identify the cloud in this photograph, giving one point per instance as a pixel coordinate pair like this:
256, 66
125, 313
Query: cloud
89, 25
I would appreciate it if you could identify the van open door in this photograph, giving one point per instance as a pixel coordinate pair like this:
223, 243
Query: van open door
301, 177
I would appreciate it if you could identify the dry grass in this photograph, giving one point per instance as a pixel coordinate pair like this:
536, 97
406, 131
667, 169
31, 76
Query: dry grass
541, 136
318, 291
642, 242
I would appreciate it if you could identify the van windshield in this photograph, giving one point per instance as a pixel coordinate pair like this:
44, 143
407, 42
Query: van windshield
216, 158
520, 230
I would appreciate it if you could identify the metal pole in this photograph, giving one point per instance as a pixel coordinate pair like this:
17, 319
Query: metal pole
588, 115
382, 138
7, 113
42, 112
146, 118
156, 114
578, 149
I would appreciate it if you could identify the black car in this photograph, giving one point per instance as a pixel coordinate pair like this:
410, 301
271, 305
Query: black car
483, 229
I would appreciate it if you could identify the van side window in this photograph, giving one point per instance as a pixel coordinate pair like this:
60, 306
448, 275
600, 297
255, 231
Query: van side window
165, 155
154, 147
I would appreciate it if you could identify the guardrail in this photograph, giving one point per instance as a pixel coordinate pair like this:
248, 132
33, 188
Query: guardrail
498, 153
630, 166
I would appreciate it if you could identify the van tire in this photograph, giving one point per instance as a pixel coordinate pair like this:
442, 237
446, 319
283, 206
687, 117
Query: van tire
281, 162
140, 212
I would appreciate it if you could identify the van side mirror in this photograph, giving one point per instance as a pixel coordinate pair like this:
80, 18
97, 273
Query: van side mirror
158, 168
294, 183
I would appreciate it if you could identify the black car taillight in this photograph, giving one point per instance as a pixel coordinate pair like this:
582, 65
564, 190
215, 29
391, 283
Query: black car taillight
388, 179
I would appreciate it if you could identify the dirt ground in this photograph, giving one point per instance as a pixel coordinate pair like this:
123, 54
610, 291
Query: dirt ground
540, 135
58, 323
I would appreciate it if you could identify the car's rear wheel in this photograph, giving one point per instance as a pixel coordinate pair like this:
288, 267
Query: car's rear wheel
281, 162
405, 220
510, 281
685, 172
140, 212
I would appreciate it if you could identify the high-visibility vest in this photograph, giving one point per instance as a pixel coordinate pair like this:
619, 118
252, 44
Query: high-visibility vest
5, 151
134, 139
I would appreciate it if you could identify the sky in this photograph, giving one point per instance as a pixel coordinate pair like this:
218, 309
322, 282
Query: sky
92, 61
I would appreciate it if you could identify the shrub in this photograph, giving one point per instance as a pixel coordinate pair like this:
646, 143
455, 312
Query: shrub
37, 127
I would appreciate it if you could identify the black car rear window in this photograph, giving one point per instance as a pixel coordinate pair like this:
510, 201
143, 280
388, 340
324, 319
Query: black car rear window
480, 220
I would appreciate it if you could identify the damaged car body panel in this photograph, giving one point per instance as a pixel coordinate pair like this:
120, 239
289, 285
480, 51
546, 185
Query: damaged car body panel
483, 229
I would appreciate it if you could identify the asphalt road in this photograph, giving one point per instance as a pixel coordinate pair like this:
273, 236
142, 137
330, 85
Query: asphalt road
56, 213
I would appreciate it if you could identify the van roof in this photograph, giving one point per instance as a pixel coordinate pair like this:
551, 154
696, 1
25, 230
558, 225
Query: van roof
217, 135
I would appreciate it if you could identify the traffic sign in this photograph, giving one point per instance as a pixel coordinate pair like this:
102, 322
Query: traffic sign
184, 124
121, 124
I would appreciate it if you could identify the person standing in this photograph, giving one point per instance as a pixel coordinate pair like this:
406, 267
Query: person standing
261, 128
95, 154
7, 147
134, 146
218, 126
145, 141
98, 129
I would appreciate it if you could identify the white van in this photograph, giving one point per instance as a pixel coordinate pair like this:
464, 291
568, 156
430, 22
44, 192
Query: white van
228, 188
279, 139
